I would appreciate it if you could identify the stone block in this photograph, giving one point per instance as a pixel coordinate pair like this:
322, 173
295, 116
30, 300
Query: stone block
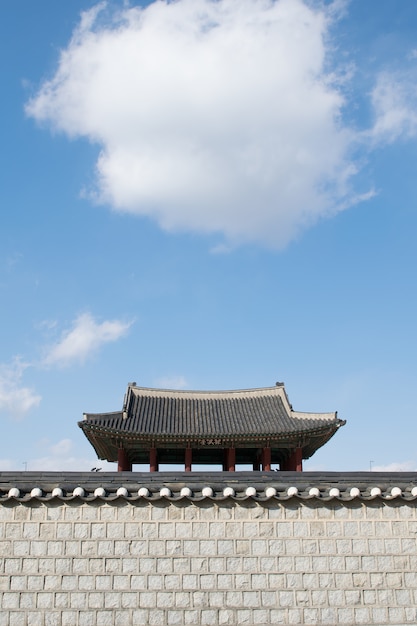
164, 600
174, 618
31, 530
164, 565
166, 530
64, 530
86, 618
5, 548
181, 565
172, 582
227, 618
34, 618
35, 583
17, 583
295, 616
138, 582
72, 548
216, 599
396, 615
328, 615
17, 619
233, 530
78, 600
242, 546
112, 600
45, 600
130, 566
207, 581
345, 615
55, 548
279, 616
38, 548
147, 599
190, 581
103, 583
309, 546
61, 600
311, 616
95, 600
182, 599
129, 600
104, 618
173, 547
27, 601
207, 547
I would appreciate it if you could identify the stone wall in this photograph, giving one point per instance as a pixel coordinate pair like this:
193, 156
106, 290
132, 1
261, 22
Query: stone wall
81, 560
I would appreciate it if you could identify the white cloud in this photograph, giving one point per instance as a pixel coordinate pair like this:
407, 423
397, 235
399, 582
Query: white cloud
16, 400
394, 99
212, 116
84, 338
172, 382
401, 466
60, 457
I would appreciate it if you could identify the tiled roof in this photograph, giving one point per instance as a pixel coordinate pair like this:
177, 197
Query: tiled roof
246, 413
260, 487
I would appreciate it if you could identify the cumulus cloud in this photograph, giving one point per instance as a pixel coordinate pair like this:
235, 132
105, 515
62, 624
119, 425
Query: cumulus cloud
16, 400
211, 116
84, 338
394, 100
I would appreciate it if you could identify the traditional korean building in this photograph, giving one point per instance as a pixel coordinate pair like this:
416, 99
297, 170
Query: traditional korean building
251, 426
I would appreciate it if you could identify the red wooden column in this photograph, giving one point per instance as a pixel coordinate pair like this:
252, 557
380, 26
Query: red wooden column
294, 463
298, 459
153, 460
231, 459
266, 459
123, 463
188, 459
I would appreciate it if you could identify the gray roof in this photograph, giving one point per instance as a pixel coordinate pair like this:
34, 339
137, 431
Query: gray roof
242, 413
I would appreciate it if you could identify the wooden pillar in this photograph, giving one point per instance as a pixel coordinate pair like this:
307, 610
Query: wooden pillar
153, 460
298, 459
266, 459
294, 463
231, 459
123, 463
188, 459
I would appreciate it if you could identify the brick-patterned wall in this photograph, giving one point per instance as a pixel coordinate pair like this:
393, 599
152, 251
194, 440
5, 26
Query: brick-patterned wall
164, 563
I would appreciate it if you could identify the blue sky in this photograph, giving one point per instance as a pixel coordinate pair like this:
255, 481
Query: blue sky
208, 195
